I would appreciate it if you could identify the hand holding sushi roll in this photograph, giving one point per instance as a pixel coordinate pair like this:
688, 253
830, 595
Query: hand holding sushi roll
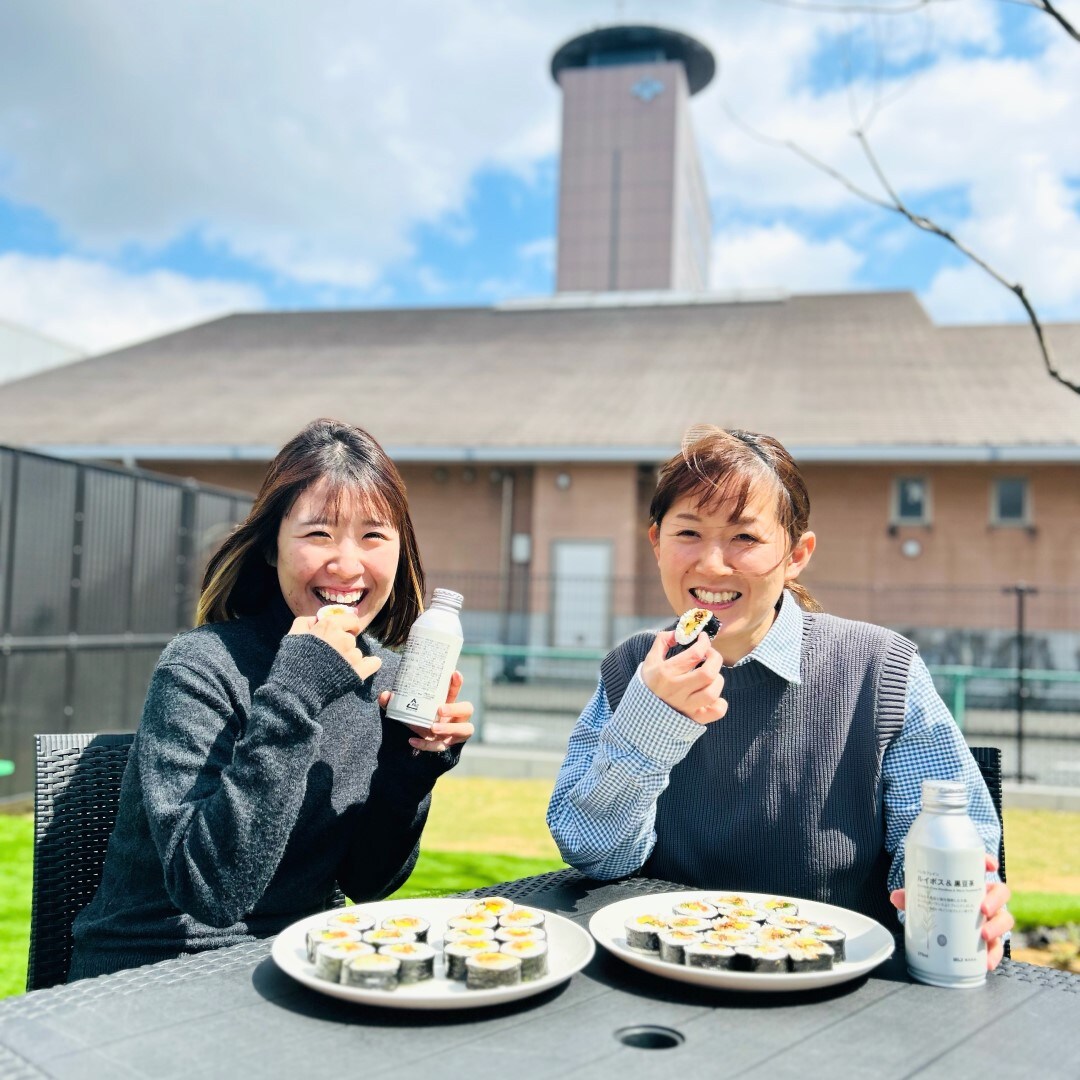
689, 681
452, 722
338, 626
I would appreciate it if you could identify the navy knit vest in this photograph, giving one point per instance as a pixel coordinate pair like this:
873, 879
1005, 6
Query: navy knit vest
784, 793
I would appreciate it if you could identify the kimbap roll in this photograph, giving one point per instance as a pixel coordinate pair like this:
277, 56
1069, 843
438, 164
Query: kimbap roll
808, 954
708, 954
697, 908
330, 936
520, 933
522, 916
831, 935
351, 918
457, 952
417, 960
382, 936
775, 935
533, 956
775, 906
330, 956
674, 942
490, 905
693, 923
730, 936
481, 919
761, 958
488, 970
690, 624
723, 901
468, 933
374, 971
641, 931
409, 924
747, 912
790, 922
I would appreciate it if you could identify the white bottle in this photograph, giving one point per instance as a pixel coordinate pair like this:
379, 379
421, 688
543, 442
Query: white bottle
430, 657
944, 886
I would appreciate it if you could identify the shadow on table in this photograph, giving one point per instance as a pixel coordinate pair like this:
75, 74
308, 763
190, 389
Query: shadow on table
271, 983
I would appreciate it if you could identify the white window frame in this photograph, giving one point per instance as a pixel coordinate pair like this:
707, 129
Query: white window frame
894, 502
1023, 522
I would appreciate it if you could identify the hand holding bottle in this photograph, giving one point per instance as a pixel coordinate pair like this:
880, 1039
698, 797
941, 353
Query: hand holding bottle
450, 726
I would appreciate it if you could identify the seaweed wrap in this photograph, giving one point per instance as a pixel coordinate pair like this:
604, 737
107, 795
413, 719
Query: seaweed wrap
329, 957
641, 931
417, 960
374, 971
761, 958
808, 954
457, 952
674, 942
831, 935
328, 935
708, 954
532, 954
488, 970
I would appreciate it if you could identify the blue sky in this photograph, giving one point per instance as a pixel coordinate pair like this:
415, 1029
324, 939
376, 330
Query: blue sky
162, 164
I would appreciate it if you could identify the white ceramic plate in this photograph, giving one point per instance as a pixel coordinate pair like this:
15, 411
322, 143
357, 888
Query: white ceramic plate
570, 948
868, 944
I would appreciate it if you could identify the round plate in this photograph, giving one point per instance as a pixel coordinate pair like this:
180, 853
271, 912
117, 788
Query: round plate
868, 944
570, 949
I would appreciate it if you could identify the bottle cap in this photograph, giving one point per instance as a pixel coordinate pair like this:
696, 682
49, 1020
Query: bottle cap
944, 795
447, 598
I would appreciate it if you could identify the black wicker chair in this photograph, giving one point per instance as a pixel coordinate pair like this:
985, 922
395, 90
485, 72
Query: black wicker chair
76, 797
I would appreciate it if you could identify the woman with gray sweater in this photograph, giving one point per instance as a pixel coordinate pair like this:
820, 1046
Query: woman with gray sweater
264, 774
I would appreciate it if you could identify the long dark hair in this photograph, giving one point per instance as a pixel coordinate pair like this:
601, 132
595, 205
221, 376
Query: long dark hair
239, 579
718, 467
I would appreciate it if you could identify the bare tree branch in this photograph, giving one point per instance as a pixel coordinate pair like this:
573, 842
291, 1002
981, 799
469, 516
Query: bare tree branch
1053, 12
896, 205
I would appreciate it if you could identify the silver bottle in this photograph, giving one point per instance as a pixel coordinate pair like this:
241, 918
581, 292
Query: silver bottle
944, 885
430, 657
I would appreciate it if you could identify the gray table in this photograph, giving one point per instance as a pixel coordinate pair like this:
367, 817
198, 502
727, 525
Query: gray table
233, 1013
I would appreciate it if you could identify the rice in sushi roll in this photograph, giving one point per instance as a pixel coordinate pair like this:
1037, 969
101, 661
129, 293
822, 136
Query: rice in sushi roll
533, 956
730, 936
722, 901
831, 935
790, 922
481, 919
775, 906
409, 924
522, 916
690, 624
808, 954
693, 923
520, 933
330, 956
382, 936
468, 933
641, 931
374, 971
775, 935
488, 970
490, 905
332, 935
708, 954
457, 952
417, 960
697, 908
350, 918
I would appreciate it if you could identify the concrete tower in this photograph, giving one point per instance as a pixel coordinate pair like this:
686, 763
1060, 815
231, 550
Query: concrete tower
633, 211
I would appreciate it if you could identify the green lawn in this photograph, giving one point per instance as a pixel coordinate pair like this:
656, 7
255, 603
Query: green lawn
475, 820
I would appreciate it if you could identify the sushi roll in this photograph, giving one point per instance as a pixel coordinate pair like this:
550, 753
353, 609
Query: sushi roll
481, 919
330, 956
747, 912
775, 906
730, 937
351, 918
457, 952
808, 954
468, 933
790, 922
760, 958
690, 624
373, 971
520, 933
743, 926
697, 908
723, 901
330, 936
831, 935
641, 931
490, 905
522, 916
708, 954
409, 924
693, 923
417, 960
533, 956
775, 935
488, 970
382, 936
674, 942
334, 609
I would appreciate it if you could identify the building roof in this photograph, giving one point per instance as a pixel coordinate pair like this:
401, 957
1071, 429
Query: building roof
25, 352
858, 376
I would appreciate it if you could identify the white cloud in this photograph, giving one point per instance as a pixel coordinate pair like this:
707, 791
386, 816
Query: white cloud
776, 256
96, 307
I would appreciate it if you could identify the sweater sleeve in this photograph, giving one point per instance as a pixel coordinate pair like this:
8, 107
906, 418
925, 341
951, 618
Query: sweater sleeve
384, 840
603, 809
222, 795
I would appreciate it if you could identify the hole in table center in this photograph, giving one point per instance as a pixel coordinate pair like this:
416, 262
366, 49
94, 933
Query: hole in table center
650, 1037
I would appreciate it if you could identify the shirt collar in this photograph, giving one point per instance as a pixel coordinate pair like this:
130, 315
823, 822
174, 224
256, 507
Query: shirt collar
781, 648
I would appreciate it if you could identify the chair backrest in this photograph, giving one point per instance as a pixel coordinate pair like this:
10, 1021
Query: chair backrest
76, 797
988, 758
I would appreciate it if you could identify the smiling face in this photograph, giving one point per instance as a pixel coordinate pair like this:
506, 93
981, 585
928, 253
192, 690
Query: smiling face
735, 567
347, 555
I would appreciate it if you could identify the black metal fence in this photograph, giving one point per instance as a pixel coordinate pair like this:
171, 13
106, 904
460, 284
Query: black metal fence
99, 568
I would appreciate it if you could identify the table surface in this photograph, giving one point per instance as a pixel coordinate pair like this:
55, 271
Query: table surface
233, 1012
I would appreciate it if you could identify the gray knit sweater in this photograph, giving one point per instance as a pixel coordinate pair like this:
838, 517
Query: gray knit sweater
261, 776
784, 794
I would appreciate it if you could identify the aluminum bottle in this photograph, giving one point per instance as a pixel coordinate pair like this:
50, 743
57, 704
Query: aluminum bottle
430, 656
944, 885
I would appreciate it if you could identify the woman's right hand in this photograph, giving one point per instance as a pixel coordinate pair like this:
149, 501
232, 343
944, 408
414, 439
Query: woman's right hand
339, 631
690, 682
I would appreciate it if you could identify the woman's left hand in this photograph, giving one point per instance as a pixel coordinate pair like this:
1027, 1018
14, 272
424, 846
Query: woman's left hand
999, 920
451, 725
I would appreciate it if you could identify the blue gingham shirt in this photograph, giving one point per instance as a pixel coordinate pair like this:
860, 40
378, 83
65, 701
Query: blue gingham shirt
603, 808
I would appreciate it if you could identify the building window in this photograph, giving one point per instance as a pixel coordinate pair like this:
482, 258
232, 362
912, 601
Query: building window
911, 501
1010, 501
